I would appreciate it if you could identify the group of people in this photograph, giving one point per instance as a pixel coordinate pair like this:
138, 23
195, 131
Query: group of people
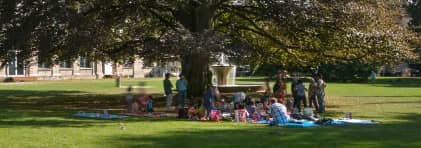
316, 93
272, 105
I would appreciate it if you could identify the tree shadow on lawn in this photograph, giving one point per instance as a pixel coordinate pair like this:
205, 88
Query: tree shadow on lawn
399, 134
399, 82
414, 96
395, 102
56, 108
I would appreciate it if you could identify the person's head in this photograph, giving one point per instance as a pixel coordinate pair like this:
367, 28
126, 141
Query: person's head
241, 106
319, 76
181, 76
312, 80
129, 89
167, 75
273, 100
299, 82
295, 79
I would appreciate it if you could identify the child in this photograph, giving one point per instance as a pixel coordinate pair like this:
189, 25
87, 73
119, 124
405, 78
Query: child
149, 106
251, 106
193, 113
143, 102
129, 100
241, 114
220, 104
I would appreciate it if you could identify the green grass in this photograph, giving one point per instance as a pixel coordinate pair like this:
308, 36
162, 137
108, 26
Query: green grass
39, 114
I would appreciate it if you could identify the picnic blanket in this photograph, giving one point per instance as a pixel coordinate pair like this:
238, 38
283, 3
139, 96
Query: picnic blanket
98, 116
353, 122
305, 123
153, 115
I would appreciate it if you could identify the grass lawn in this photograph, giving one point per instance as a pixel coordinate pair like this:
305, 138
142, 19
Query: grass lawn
39, 114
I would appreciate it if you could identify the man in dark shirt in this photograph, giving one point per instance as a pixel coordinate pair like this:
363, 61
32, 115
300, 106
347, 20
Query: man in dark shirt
168, 92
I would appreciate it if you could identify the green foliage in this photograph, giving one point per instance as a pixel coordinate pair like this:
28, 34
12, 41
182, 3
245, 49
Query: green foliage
304, 33
350, 71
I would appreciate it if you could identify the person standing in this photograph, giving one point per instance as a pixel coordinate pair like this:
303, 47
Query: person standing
373, 77
181, 86
320, 93
168, 92
312, 94
300, 95
294, 88
280, 90
267, 93
209, 100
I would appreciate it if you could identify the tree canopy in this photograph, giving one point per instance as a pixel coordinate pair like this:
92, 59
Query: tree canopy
304, 32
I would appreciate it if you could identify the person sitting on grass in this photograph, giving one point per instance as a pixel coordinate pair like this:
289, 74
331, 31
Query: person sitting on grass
297, 115
142, 102
193, 113
242, 113
278, 112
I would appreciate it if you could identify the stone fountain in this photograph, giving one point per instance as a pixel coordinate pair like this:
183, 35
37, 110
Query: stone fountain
224, 78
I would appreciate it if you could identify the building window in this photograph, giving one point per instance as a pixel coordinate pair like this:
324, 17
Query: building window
85, 62
65, 64
127, 64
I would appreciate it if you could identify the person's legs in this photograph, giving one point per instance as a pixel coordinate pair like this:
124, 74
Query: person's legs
314, 102
320, 100
169, 102
310, 99
183, 97
304, 101
297, 102
208, 111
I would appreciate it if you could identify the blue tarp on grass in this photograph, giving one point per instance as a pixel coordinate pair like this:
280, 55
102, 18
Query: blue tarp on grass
102, 116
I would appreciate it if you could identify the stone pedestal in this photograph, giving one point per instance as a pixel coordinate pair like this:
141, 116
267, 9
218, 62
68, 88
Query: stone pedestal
76, 69
98, 70
55, 71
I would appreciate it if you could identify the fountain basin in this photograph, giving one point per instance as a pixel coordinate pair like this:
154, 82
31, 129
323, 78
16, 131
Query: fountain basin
240, 88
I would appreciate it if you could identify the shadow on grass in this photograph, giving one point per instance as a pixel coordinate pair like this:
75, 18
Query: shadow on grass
399, 82
395, 102
415, 96
396, 134
56, 108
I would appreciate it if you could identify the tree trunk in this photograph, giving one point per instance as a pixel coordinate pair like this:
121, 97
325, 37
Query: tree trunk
195, 63
195, 68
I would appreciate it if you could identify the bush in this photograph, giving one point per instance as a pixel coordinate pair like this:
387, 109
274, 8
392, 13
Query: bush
351, 71
9, 79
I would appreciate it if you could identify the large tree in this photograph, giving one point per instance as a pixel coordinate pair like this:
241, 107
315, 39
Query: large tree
414, 11
306, 32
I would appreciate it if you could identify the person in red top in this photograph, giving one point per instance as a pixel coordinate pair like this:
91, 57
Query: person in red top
280, 90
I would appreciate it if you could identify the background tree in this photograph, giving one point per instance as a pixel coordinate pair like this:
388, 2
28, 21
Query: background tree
193, 31
414, 11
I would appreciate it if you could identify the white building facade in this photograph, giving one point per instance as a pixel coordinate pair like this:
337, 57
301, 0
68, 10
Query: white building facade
81, 68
